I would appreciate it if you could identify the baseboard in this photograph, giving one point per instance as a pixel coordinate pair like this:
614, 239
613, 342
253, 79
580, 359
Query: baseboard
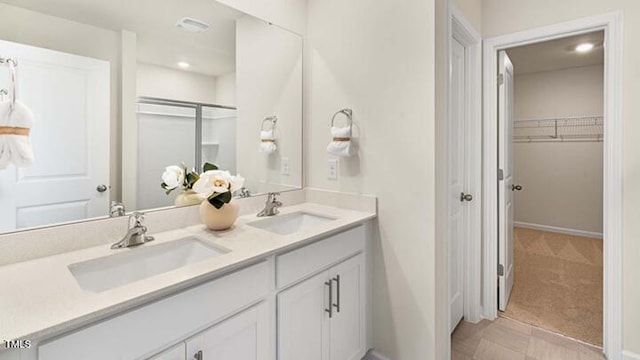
627, 355
374, 355
557, 229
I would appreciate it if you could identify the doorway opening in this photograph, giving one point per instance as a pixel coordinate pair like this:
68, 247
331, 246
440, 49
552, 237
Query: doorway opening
551, 131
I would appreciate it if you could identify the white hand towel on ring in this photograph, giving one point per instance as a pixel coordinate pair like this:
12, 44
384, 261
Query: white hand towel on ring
267, 141
15, 143
340, 144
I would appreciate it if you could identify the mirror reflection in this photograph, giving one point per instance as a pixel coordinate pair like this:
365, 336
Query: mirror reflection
107, 95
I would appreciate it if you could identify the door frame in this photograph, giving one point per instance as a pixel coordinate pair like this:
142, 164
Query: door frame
461, 30
611, 23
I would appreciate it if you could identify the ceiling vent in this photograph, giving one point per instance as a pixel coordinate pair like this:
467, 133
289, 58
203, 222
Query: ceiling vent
192, 25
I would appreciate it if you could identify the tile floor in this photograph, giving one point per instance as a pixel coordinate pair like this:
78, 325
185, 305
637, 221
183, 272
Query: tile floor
506, 339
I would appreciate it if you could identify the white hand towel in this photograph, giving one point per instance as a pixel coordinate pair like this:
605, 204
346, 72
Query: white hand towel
340, 144
15, 148
267, 142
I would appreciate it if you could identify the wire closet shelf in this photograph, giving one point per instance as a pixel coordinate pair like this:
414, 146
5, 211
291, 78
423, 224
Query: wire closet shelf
574, 128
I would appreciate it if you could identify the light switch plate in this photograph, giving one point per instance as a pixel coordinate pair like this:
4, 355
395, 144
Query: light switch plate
333, 169
285, 166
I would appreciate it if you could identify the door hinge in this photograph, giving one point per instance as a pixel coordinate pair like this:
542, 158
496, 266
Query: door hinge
500, 175
500, 79
500, 270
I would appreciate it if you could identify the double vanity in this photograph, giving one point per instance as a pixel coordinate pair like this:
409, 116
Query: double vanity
290, 286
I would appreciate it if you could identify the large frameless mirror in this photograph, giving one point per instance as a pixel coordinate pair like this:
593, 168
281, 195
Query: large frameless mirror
98, 98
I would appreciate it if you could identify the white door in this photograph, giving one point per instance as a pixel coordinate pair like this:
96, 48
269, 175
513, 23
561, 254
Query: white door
505, 191
69, 96
347, 324
457, 150
303, 329
242, 337
175, 353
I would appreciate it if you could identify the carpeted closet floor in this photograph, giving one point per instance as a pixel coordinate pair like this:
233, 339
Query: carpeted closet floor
558, 283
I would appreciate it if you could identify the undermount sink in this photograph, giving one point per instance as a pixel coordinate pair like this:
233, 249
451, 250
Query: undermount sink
140, 263
290, 223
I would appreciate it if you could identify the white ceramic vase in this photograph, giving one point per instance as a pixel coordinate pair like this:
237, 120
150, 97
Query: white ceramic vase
187, 198
219, 219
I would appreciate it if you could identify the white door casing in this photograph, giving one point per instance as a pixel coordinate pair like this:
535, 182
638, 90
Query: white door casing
458, 215
70, 98
505, 192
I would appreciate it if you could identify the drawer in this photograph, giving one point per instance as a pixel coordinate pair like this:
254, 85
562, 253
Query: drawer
310, 259
141, 332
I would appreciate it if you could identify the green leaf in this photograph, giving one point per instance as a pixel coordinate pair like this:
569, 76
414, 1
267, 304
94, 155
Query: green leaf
225, 196
208, 166
219, 199
217, 203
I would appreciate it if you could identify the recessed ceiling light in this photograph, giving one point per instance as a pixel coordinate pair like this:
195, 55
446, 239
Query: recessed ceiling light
583, 48
184, 64
192, 25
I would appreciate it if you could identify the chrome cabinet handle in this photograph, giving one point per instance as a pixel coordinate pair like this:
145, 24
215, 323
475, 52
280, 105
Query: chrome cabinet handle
337, 304
199, 355
465, 197
330, 309
516, 187
101, 188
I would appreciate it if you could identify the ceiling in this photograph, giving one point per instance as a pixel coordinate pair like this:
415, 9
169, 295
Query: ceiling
159, 41
557, 54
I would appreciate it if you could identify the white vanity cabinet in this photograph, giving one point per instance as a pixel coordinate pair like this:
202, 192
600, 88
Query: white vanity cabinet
324, 317
242, 337
311, 303
174, 353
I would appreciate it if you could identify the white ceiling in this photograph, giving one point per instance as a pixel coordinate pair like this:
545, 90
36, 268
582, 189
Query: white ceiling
159, 41
557, 54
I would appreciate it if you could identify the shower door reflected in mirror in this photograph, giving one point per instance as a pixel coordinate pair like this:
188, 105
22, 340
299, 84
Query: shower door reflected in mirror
176, 132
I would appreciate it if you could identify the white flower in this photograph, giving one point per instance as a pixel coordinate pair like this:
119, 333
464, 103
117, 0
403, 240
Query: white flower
173, 176
217, 181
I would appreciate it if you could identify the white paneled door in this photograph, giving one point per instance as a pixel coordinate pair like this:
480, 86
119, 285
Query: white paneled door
505, 179
70, 98
457, 183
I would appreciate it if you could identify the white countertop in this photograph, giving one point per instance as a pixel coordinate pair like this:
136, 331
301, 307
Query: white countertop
41, 298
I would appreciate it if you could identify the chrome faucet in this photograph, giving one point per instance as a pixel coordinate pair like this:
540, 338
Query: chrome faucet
116, 209
271, 206
137, 233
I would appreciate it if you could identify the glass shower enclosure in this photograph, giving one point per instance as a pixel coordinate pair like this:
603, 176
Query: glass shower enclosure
172, 132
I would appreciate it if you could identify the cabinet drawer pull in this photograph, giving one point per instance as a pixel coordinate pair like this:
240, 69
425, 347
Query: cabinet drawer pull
199, 355
337, 304
330, 309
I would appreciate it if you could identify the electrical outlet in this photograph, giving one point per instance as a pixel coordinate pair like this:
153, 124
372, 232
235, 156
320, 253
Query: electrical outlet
285, 166
333, 169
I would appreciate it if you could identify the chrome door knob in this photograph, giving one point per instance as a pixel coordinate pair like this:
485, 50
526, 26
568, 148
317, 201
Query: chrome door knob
516, 187
101, 188
465, 197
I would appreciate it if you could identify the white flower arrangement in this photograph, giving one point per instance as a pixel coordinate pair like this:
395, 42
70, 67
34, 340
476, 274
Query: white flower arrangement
217, 186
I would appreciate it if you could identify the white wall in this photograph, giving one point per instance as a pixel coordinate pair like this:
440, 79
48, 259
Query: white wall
562, 180
37, 29
226, 89
173, 84
378, 58
501, 17
271, 86
472, 11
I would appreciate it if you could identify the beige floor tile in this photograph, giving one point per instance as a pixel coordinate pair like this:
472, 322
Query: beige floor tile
590, 353
514, 325
507, 337
488, 350
540, 349
457, 355
555, 338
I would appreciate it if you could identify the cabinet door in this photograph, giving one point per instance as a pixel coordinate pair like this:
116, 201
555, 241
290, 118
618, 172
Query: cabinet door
242, 337
348, 324
175, 353
302, 320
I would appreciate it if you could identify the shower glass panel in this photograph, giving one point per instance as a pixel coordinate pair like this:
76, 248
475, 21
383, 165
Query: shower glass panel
219, 137
174, 132
166, 136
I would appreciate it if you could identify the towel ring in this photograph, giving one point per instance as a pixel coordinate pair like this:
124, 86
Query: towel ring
272, 119
347, 112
